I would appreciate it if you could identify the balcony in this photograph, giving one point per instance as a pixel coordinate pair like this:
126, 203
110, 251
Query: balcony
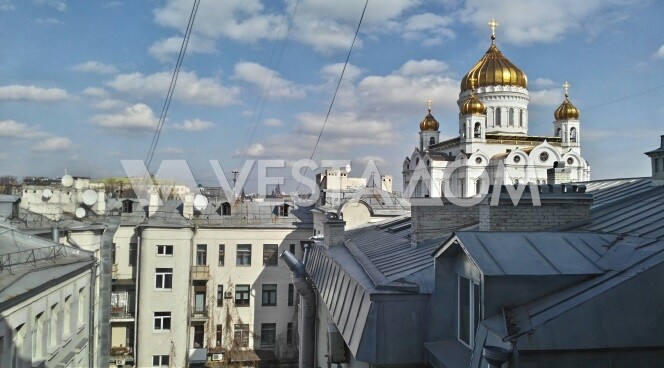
199, 314
121, 309
121, 355
200, 272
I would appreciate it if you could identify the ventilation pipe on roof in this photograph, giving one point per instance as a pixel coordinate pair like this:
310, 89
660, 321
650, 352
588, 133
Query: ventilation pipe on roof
496, 356
307, 312
55, 234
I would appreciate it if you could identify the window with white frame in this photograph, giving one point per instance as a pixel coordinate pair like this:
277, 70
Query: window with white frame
160, 360
53, 326
242, 293
163, 278
468, 313
243, 255
38, 337
164, 250
162, 321
66, 317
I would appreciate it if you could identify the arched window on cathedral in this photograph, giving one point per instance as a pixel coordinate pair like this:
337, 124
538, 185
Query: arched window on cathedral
521, 118
511, 117
478, 186
572, 135
417, 161
478, 130
497, 116
432, 141
558, 132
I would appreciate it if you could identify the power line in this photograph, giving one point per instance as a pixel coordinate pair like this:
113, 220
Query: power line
329, 110
171, 87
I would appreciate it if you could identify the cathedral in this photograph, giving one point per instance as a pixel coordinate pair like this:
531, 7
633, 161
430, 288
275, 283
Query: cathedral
493, 145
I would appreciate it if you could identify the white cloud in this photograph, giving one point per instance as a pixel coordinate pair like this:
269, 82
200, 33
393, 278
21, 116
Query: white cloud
11, 128
31, 93
95, 92
96, 67
58, 5
52, 144
660, 53
171, 150
543, 83
428, 28
110, 104
166, 49
190, 88
538, 20
137, 118
7, 5
195, 125
261, 76
331, 72
255, 150
547, 97
273, 122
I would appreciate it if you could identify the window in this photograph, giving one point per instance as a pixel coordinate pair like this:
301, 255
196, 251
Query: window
160, 361
219, 334
291, 248
199, 336
132, 253
222, 254
53, 326
164, 250
511, 117
521, 118
270, 254
163, 278
289, 333
37, 337
225, 209
66, 317
81, 305
220, 295
468, 311
291, 292
544, 156
283, 210
558, 131
127, 206
201, 254
269, 294
268, 334
432, 141
243, 257
497, 117
242, 295
162, 321
19, 336
572, 135
478, 130
241, 335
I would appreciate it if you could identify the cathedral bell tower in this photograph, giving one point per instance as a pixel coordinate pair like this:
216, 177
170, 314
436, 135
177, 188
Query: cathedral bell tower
472, 119
429, 134
566, 126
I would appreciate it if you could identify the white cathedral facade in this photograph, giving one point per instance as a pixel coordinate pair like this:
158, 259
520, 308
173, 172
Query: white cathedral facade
493, 145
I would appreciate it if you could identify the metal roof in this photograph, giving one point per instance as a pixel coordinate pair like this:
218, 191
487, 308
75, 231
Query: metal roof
614, 190
534, 253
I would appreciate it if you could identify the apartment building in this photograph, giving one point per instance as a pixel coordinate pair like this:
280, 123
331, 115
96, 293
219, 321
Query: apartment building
195, 286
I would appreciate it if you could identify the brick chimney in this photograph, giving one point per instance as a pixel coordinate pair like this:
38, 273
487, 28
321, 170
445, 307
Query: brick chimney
657, 163
434, 217
333, 231
558, 174
559, 205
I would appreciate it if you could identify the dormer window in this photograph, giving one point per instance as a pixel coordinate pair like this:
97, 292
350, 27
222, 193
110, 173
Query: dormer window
283, 210
127, 206
225, 209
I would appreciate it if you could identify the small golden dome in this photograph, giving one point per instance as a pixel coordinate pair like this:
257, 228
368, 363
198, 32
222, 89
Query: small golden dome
429, 123
473, 106
566, 110
494, 69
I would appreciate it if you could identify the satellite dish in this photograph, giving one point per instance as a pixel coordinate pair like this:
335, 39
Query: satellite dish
200, 202
348, 168
80, 212
89, 197
67, 181
47, 193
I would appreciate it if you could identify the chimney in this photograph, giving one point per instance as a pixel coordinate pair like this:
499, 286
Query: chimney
153, 205
558, 174
557, 205
434, 217
333, 231
188, 206
657, 163
101, 202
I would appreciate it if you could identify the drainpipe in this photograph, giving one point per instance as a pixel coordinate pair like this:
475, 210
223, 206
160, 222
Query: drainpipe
190, 286
55, 234
91, 315
105, 287
137, 265
307, 312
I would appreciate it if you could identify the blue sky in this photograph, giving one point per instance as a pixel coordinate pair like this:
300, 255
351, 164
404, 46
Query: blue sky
82, 82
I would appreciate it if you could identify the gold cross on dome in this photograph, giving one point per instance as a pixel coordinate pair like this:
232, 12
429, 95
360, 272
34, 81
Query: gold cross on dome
429, 102
493, 24
566, 87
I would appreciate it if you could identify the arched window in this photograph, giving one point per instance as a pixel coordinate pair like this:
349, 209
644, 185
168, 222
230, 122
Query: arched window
511, 117
558, 132
572, 135
432, 141
478, 130
497, 117
521, 118
478, 186
225, 209
417, 161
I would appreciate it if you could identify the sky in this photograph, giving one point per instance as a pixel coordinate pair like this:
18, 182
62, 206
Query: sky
83, 83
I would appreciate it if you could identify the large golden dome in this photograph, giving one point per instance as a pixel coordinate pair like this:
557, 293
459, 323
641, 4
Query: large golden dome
494, 69
429, 123
566, 110
472, 106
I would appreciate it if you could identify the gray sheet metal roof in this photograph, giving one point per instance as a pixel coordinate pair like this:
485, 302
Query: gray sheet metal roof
29, 262
632, 207
534, 253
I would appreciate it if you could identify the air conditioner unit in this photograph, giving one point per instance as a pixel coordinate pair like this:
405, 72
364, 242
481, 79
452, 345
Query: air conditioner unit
217, 357
229, 295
